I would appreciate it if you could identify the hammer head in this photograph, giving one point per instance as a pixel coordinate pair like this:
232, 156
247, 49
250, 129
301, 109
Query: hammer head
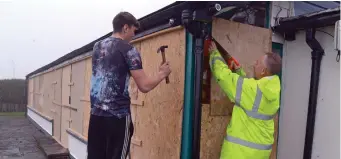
162, 48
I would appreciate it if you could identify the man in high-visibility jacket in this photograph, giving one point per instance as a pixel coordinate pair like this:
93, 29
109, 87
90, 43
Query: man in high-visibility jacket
250, 133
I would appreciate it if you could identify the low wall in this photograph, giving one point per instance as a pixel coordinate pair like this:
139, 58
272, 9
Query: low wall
11, 107
46, 123
77, 145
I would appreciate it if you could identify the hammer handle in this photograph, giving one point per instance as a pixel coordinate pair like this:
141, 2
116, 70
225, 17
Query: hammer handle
163, 61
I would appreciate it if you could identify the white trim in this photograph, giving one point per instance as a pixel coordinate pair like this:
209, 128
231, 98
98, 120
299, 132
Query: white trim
77, 148
47, 125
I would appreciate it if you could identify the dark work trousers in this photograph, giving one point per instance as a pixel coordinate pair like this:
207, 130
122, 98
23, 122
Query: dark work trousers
109, 137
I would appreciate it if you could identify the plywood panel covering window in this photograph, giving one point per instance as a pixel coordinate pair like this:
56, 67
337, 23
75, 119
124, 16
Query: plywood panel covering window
86, 97
30, 92
47, 103
158, 122
77, 92
36, 93
56, 108
245, 43
66, 79
66, 112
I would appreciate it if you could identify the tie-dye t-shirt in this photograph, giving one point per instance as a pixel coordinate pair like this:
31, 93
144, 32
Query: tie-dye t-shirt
112, 61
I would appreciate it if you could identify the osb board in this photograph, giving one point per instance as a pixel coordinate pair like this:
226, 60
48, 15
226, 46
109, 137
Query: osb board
134, 93
66, 112
47, 89
66, 79
65, 124
41, 83
246, 43
56, 107
57, 78
212, 128
36, 94
86, 96
30, 92
77, 92
158, 122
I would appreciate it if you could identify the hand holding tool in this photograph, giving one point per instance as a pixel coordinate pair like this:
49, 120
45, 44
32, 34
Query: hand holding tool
162, 50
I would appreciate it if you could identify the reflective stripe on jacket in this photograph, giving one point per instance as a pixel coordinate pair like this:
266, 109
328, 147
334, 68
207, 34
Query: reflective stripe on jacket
251, 128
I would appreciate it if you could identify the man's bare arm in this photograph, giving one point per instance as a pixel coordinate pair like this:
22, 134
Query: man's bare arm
146, 83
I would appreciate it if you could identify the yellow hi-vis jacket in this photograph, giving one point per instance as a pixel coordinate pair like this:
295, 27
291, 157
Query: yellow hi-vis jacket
250, 133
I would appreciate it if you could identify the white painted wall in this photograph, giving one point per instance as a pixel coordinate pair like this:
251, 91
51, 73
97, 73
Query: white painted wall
43, 123
77, 148
295, 95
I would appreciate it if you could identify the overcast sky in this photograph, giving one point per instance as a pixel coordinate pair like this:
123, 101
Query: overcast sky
34, 33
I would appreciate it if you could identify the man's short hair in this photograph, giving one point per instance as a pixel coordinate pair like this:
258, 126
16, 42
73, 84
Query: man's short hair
273, 63
123, 18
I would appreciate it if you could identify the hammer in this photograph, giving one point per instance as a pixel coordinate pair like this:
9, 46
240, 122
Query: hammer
162, 50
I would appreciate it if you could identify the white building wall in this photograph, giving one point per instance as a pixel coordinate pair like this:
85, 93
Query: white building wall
45, 124
295, 95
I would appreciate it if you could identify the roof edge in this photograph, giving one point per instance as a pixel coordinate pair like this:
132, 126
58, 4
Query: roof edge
289, 25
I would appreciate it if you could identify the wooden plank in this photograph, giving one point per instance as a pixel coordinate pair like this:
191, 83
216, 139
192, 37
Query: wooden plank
158, 123
246, 43
212, 128
77, 91
66, 78
65, 124
58, 98
30, 92
36, 94
65, 111
86, 97
46, 93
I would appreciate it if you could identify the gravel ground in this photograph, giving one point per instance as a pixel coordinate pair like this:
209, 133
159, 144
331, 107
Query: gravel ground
16, 139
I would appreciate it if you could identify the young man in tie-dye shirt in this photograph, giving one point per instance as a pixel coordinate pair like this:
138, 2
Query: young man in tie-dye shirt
114, 61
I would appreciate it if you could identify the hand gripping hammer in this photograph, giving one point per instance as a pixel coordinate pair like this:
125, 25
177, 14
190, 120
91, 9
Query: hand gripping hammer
162, 50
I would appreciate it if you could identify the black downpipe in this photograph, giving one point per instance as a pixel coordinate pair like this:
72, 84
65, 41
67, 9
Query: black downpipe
199, 42
316, 56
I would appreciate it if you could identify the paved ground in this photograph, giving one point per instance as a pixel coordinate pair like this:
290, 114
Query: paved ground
16, 139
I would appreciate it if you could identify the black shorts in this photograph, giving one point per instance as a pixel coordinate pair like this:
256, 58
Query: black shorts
109, 137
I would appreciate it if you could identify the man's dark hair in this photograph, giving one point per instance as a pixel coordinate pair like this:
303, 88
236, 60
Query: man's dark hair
123, 18
273, 62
